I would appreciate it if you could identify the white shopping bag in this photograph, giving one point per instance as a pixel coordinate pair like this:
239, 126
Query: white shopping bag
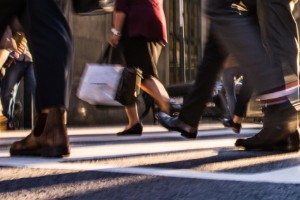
99, 83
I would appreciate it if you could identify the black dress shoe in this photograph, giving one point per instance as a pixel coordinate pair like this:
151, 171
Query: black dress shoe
136, 129
236, 127
174, 124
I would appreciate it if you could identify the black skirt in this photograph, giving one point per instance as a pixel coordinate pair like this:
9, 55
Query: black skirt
143, 54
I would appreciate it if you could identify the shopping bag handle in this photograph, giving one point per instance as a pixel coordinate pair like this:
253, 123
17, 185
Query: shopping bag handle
112, 55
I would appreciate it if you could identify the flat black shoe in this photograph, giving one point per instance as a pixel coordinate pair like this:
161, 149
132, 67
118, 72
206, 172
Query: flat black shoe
136, 129
174, 124
236, 127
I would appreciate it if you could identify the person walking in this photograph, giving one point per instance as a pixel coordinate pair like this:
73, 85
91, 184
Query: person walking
280, 37
231, 72
139, 27
50, 42
17, 66
234, 28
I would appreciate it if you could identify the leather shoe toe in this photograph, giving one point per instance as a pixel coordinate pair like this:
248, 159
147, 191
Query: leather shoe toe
174, 124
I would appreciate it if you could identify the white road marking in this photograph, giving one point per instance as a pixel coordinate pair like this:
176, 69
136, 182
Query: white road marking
286, 176
150, 132
289, 175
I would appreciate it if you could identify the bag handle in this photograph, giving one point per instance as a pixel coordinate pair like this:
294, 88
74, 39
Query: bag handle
112, 55
106, 56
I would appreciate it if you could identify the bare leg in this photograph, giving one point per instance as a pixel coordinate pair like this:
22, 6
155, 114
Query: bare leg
237, 119
155, 89
132, 115
134, 126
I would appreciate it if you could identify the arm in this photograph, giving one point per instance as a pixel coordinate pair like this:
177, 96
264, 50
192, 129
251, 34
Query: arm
7, 45
121, 7
115, 36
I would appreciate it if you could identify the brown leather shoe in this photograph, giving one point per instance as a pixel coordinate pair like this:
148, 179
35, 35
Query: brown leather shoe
52, 142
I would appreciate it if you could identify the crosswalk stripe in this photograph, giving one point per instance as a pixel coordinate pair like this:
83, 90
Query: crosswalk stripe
117, 149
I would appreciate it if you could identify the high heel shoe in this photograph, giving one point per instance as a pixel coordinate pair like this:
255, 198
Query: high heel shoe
135, 130
236, 127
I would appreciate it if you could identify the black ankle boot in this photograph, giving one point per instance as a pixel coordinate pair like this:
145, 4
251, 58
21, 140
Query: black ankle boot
280, 123
136, 129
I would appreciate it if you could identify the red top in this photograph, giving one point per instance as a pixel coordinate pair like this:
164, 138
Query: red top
143, 18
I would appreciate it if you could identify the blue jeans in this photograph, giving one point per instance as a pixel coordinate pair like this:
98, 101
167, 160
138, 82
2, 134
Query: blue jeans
10, 84
50, 42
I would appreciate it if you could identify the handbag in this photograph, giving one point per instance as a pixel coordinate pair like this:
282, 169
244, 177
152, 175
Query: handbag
109, 84
93, 7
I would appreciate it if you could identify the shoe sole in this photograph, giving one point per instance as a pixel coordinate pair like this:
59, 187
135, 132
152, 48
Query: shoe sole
237, 131
183, 133
292, 147
126, 135
274, 148
188, 135
58, 152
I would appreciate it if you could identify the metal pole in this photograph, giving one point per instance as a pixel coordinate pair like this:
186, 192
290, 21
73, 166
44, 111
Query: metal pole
174, 67
182, 42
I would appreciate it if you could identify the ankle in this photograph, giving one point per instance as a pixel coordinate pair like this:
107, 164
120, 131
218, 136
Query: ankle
237, 119
165, 107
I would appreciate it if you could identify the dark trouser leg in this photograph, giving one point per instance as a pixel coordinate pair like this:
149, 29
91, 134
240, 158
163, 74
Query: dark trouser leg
29, 94
229, 75
279, 33
240, 35
50, 42
243, 98
201, 90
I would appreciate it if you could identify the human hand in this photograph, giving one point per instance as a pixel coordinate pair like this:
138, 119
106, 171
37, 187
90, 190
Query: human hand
114, 37
113, 40
21, 48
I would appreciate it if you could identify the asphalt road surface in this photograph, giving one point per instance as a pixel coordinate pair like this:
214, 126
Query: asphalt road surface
157, 165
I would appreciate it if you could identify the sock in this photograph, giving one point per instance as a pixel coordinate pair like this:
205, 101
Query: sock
40, 124
279, 100
278, 95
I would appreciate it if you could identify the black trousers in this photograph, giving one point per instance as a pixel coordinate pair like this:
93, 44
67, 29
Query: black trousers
49, 40
243, 98
207, 73
240, 35
279, 33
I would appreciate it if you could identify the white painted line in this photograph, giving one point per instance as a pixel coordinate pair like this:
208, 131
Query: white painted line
119, 150
289, 175
84, 137
286, 176
114, 129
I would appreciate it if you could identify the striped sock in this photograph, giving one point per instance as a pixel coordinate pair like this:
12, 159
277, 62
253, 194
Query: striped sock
279, 95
